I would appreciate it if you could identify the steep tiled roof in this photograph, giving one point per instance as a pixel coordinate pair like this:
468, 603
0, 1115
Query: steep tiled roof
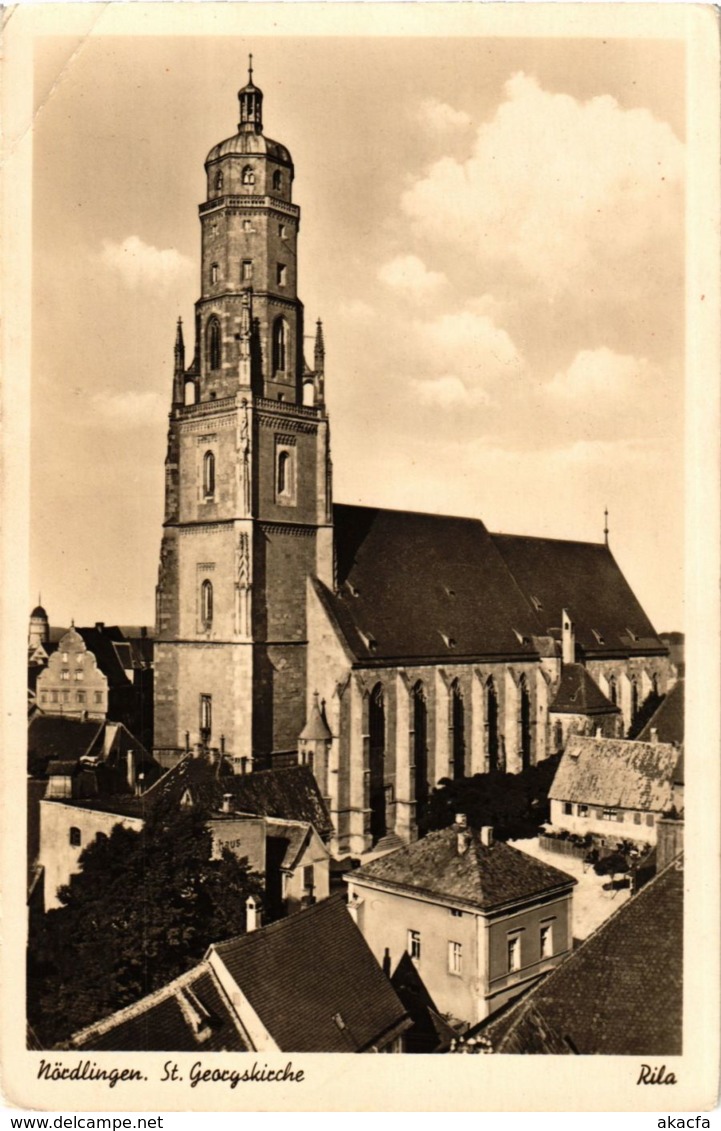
483, 876
109, 658
483, 595
327, 993
53, 738
389, 562
579, 694
619, 993
668, 718
616, 772
290, 794
188, 1015
584, 579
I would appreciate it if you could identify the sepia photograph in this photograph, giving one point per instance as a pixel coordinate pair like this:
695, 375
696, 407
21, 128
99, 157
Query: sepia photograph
357, 585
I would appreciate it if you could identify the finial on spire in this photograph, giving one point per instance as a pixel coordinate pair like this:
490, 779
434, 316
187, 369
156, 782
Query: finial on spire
251, 104
319, 350
605, 525
250, 68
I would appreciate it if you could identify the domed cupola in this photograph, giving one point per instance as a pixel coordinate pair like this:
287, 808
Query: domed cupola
251, 105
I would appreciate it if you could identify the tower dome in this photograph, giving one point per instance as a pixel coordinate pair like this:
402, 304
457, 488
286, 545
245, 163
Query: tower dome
39, 627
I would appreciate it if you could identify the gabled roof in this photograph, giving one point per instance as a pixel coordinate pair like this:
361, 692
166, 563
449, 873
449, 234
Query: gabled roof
668, 718
327, 993
619, 993
484, 877
579, 694
110, 649
390, 562
54, 738
190, 1014
289, 794
483, 595
616, 773
584, 579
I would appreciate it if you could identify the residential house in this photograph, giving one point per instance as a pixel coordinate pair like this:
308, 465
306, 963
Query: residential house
614, 789
479, 919
618, 994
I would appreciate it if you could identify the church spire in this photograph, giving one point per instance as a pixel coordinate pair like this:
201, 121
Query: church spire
319, 351
251, 105
179, 367
605, 525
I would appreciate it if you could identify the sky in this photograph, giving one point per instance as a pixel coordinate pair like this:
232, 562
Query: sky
491, 231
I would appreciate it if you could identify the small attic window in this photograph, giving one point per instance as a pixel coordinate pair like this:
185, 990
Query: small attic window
632, 634
597, 634
447, 640
352, 589
536, 604
368, 639
338, 1019
519, 636
450, 592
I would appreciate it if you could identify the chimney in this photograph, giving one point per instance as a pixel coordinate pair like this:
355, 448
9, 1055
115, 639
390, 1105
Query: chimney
654, 735
243, 766
222, 744
131, 770
143, 632
99, 625
187, 742
139, 784
198, 750
252, 914
599, 732
463, 838
214, 755
487, 836
226, 807
568, 640
387, 962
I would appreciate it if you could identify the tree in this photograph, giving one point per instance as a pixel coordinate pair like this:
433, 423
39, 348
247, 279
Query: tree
144, 909
515, 805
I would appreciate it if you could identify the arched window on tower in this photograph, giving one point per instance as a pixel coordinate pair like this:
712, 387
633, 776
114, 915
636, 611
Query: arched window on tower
492, 724
634, 700
277, 180
458, 738
208, 475
218, 181
214, 352
248, 176
206, 604
280, 345
284, 473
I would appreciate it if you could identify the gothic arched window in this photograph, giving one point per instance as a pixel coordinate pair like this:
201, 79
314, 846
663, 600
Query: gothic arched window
492, 724
214, 352
248, 177
280, 345
613, 690
376, 761
206, 603
208, 474
458, 738
420, 745
525, 721
277, 180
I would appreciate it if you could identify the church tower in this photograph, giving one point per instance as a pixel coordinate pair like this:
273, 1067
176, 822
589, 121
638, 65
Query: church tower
247, 472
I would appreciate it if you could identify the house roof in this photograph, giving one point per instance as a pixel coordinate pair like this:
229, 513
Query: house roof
291, 793
485, 877
112, 653
327, 992
583, 578
668, 718
619, 993
616, 772
484, 595
188, 1015
579, 694
54, 738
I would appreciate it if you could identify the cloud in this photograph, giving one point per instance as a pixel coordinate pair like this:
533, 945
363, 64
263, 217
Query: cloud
140, 264
440, 116
569, 194
448, 391
130, 408
409, 274
357, 310
602, 374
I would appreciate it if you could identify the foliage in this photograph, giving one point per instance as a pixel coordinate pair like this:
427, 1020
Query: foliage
645, 713
516, 805
144, 909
